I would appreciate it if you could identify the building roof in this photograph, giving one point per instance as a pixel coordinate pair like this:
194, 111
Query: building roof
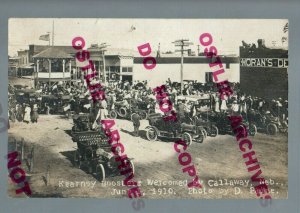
53, 52
113, 51
188, 59
39, 48
14, 58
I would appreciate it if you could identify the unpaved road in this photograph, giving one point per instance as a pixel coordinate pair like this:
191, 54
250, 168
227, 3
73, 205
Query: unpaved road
218, 161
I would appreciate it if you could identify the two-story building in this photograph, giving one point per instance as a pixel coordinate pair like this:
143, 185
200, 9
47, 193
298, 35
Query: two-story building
264, 71
195, 68
53, 65
118, 63
13, 66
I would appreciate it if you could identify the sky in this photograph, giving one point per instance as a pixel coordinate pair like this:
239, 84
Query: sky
227, 33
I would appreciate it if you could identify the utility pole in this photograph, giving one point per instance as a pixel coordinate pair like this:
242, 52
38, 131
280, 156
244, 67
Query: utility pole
103, 47
198, 50
182, 43
52, 33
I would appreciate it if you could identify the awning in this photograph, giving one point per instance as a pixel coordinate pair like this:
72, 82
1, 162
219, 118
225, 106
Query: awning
27, 66
53, 79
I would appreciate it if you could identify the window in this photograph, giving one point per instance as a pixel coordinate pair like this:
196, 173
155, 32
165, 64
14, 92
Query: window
208, 77
126, 69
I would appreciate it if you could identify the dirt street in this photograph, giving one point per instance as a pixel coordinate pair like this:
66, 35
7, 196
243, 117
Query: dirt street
218, 161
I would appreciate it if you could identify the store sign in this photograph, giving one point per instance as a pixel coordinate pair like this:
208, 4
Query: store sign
264, 62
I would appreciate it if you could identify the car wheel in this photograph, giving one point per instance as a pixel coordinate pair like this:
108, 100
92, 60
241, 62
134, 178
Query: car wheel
272, 129
187, 138
214, 131
123, 112
131, 166
252, 130
204, 133
143, 115
113, 114
201, 136
100, 172
151, 134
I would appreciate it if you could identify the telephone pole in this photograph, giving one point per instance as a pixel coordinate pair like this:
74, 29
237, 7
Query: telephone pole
53, 33
183, 44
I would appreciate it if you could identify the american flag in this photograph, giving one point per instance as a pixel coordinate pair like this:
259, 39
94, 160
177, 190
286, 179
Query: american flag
45, 37
286, 27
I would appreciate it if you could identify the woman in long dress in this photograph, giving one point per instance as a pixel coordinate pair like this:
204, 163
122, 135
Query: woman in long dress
27, 112
102, 113
224, 103
35, 114
217, 102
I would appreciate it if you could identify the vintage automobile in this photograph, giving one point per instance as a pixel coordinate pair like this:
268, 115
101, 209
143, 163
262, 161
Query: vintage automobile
93, 154
121, 109
127, 107
158, 127
29, 96
224, 125
143, 108
266, 122
201, 117
54, 104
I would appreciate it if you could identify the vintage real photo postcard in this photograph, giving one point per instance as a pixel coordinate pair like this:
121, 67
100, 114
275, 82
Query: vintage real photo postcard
148, 108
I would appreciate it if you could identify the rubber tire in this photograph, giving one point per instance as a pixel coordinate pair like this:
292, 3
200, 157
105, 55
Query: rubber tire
204, 133
216, 130
189, 138
143, 115
132, 115
274, 127
125, 112
148, 136
132, 166
254, 132
100, 172
113, 114
202, 137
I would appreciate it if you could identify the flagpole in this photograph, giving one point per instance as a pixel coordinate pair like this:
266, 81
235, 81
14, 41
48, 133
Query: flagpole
53, 33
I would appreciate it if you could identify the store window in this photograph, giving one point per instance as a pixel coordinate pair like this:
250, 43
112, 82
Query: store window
208, 77
126, 69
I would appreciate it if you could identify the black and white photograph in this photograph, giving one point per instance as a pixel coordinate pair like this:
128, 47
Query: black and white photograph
149, 108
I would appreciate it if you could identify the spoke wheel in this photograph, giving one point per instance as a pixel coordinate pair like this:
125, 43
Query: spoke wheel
151, 134
123, 112
113, 114
214, 131
143, 115
100, 172
187, 138
132, 166
252, 130
272, 129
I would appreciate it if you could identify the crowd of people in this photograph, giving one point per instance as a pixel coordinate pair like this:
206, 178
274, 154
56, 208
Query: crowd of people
129, 95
